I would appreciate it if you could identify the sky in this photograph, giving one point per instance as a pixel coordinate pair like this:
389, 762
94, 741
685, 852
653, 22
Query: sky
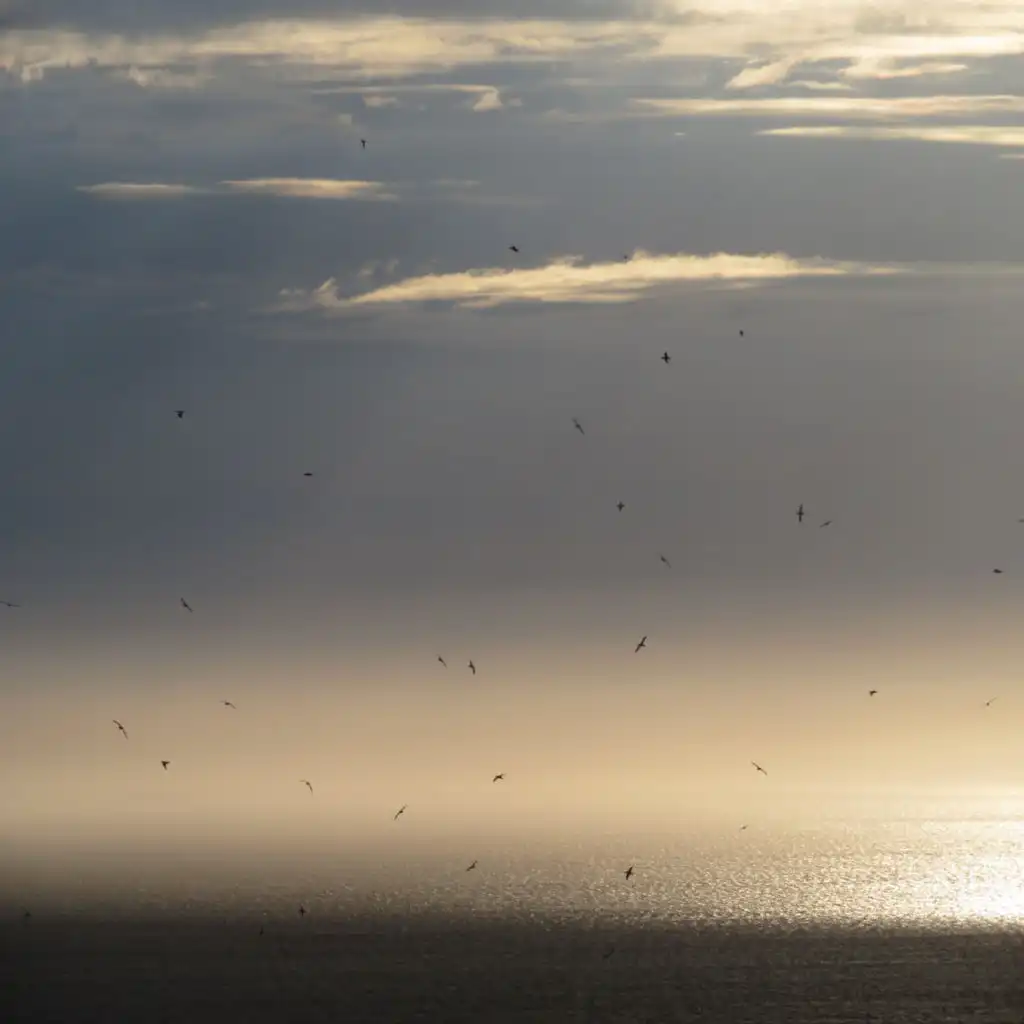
813, 209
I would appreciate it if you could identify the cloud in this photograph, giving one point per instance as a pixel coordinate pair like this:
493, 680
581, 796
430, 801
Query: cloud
138, 190
882, 69
490, 100
762, 74
805, 83
873, 108
380, 100
312, 188
568, 280
968, 134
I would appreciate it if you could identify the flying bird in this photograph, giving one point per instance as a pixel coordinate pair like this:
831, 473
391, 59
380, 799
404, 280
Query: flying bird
124, 731
500, 775
10, 604
472, 667
514, 248
576, 424
621, 505
628, 872
743, 828
741, 332
758, 767
363, 141
400, 812
307, 474
828, 522
608, 953
800, 514
643, 643
666, 358
165, 764
998, 571
665, 560
181, 413
185, 605
871, 693
307, 783
443, 662
988, 703
471, 866
302, 911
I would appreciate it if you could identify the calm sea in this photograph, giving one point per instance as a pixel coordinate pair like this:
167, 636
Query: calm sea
902, 922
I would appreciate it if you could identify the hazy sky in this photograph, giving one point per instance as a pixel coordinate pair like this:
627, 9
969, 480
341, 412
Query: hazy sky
188, 220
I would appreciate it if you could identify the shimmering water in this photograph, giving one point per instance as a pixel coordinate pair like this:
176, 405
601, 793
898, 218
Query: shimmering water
906, 921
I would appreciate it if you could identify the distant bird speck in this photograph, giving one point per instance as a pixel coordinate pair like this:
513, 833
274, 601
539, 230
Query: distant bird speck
443, 662
743, 828
800, 514
124, 731
165, 764
363, 141
500, 775
828, 522
228, 704
471, 866
472, 668
10, 604
576, 424
181, 413
302, 911
185, 605
307, 474
758, 767
988, 703
629, 872
621, 505
608, 953
665, 560
643, 643
514, 248
998, 572
400, 812
871, 693
307, 783
666, 358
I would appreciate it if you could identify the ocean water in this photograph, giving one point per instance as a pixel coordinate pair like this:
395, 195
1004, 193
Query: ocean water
917, 921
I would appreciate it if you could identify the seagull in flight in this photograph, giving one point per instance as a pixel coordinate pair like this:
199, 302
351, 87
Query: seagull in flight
471, 866
665, 358
399, 812
472, 667
500, 775
443, 662
576, 424
363, 141
643, 643
758, 767
124, 731
302, 911
988, 703
307, 474
743, 828
185, 605
621, 505
181, 413
998, 571
629, 872
10, 604
741, 332
871, 693
307, 783
800, 514
665, 560
828, 522
514, 248
228, 704
165, 764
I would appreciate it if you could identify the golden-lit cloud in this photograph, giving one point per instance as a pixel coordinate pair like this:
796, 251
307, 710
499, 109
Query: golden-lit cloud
312, 188
871, 108
139, 190
569, 280
969, 134
881, 68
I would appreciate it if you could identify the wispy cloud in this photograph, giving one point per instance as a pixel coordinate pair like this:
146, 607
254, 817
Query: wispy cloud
139, 190
881, 69
569, 280
312, 188
871, 108
969, 134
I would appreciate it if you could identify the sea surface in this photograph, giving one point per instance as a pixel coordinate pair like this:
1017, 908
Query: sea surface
901, 922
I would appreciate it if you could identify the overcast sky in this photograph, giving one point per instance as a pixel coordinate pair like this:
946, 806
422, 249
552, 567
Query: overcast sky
814, 209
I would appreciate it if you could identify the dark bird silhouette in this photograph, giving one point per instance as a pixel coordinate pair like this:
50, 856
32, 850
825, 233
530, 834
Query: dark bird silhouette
307, 474
363, 141
443, 662
228, 704
743, 828
471, 866
500, 775
576, 424
165, 764
472, 668
988, 703
621, 505
181, 413
124, 731
629, 872
302, 911
828, 522
261, 929
400, 812
741, 332
27, 916
998, 572
608, 953
185, 605
665, 560
800, 514
514, 248
10, 604
666, 358
643, 643
758, 767
871, 693
307, 783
